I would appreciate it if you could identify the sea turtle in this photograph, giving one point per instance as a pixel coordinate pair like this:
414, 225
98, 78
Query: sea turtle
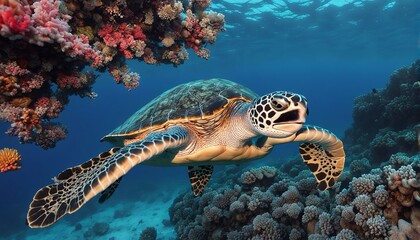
197, 124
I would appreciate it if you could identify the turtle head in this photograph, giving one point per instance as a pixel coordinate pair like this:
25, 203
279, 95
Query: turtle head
278, 114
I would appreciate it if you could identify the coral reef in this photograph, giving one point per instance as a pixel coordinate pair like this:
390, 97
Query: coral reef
386, 119
384, 203
149, 233
9, 159
97, 230
46, 45
282, 201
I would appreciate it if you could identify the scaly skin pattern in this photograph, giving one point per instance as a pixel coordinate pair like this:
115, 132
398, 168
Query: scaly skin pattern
231, 129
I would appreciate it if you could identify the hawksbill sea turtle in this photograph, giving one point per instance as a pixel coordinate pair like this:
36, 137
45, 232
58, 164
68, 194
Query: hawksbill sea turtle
198, 125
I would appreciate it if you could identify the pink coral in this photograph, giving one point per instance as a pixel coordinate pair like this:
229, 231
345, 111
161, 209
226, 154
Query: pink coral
27, 123
121, 74
50, 25
50, 134
15, 79
198, 31
50, 42
68, 81
128, 39
48, 107
14, 16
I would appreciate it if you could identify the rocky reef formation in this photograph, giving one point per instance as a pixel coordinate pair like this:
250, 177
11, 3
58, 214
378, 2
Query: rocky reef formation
282, 201
387, 121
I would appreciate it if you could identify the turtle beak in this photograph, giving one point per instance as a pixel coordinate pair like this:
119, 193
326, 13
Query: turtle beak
288, 117
294, 116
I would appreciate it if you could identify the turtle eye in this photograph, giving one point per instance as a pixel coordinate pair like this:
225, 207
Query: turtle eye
279, 104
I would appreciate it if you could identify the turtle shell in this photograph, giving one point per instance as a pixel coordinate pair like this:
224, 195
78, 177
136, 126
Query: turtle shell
193, 100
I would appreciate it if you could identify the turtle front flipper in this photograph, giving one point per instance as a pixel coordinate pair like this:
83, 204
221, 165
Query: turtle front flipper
323, 153
75, 186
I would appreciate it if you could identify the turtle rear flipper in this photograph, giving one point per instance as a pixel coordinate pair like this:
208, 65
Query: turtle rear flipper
107, 193
199, 177
77, 185
323, 153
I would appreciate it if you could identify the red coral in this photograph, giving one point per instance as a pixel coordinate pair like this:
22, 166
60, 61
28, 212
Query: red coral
50, 134
50, 25
14, 16
194, 36
122, 74
25, 124
48, 43
48, 107
16, 23
124, 37
14, 79
69, 81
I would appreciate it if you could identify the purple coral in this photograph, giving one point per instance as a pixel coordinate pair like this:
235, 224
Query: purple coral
380, 196
377, 227
213, 214
324, 224
266, 227
258, 174
346, 234
293, 210
291, 195
149, 233
310, 213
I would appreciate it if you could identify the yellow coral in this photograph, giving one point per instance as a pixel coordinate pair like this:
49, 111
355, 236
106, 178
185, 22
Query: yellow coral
7, 83
22, 102
114, 10
9, 159
169, 12
168, 40
148, 17
87, 31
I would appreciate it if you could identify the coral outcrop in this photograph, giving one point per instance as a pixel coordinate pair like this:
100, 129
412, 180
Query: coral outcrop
46, 45
149, 233
386, 119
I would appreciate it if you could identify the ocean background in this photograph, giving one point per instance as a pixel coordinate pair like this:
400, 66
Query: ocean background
329, 51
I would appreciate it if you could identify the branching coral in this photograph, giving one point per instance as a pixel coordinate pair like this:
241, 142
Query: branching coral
9, 159
170, 11
369, 208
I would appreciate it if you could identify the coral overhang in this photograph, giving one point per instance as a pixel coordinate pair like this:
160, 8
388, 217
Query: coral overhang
45, 46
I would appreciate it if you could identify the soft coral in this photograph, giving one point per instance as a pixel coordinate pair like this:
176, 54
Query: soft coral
14, 16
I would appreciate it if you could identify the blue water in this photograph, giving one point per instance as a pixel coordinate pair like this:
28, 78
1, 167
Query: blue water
331, 57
